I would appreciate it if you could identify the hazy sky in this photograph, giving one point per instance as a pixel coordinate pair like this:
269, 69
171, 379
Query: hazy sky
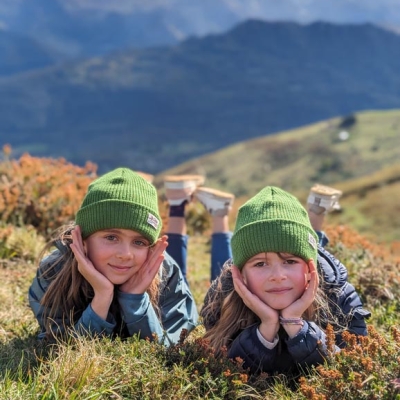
385, 11
381, 11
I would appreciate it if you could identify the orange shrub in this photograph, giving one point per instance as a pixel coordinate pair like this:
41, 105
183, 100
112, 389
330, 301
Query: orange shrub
42, 192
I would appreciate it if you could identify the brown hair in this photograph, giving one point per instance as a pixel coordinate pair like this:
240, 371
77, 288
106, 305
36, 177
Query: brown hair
69, 293
225, 315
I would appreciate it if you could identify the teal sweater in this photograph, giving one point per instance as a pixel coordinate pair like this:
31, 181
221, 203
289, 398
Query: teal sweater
130, 314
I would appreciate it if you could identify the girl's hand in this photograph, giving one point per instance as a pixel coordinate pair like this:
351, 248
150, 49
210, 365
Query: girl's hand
269, 317
97, 280
102, 287
141, 281
296, 309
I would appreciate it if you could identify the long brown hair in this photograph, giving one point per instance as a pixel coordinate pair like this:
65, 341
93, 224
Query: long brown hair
69, 293
225, 315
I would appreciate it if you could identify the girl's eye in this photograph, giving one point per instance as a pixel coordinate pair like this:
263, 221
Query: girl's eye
260, 264
140, 243
111, 237
291, 262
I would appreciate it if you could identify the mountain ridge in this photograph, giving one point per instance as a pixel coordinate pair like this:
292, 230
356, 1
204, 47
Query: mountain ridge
154, 108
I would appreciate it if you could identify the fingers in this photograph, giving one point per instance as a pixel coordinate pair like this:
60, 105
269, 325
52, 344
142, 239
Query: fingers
140, 282
314, 277
312, 287
156, 252
238, 282
240, 287
77, 245
159, 247
253, 302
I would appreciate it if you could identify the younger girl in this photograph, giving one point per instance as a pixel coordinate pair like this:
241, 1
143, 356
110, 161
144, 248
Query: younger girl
109, 273
271, 304
180, 190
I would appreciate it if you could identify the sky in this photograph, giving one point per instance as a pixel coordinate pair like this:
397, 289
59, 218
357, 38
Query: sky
339, 11
204, 12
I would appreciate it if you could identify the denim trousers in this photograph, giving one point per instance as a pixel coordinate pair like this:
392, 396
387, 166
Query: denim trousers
220, 251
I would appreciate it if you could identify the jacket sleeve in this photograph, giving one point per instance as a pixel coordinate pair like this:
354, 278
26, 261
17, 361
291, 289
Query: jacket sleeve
304, 350
344, 299
177, 308
88, 323
254, 354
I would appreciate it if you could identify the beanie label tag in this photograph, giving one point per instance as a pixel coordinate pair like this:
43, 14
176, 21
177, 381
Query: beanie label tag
153, 221
312, 241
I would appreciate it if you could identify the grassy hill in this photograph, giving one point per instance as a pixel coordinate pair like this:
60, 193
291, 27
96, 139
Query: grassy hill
366, 167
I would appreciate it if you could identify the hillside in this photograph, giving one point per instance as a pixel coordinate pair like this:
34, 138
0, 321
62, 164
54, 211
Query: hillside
155, 108
365, 166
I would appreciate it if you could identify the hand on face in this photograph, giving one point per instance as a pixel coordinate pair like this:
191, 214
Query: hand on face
297, 308
142, 279
100, 284
266, 314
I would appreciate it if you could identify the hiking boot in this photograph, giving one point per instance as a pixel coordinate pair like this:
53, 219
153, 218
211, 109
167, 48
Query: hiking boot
180, 188
149, 178
217, 203
323, 199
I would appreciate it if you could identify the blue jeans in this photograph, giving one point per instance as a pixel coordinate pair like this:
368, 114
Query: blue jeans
220, 250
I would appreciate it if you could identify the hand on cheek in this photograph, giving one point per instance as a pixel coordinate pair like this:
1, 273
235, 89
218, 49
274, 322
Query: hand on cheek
269, 317
97, 280
102, 287
297, 308
142, 280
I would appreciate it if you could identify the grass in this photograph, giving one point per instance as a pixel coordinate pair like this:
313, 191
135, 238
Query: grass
138, 369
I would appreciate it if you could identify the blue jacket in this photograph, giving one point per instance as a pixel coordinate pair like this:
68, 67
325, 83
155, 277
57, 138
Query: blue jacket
130, 314
307, 347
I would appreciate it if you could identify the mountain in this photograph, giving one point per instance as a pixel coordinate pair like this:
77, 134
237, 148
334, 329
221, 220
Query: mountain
79, 32
20, 54
154, 108
80, 28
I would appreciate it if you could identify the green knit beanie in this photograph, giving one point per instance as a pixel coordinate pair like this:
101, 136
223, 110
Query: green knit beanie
273, 221
120, 199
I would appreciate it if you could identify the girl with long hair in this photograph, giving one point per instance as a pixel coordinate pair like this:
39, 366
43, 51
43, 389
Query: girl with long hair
108, 272
272, 302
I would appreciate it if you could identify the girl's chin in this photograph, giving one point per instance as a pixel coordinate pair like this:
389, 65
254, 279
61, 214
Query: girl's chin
278, 307
117, 282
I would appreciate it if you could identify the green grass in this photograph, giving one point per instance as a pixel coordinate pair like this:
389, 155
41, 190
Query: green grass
138, 369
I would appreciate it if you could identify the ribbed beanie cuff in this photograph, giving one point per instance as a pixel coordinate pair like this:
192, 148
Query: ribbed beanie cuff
273, 221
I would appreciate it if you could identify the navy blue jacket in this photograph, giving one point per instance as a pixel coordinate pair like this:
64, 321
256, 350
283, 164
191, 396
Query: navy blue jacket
307, 347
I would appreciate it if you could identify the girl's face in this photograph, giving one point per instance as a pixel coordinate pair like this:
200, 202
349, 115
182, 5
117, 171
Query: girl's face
278, 279
117, 253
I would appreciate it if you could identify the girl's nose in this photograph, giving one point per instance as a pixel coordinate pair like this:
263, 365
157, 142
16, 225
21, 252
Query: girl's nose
277, 272
124, 252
